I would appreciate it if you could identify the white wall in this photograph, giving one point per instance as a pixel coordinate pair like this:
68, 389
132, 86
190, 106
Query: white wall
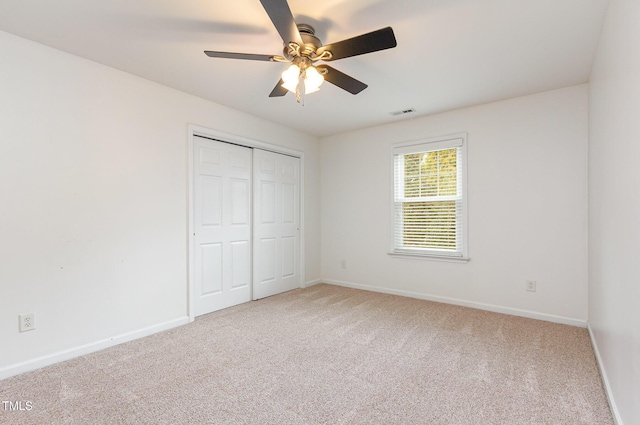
527, 208
93, 199
614, 206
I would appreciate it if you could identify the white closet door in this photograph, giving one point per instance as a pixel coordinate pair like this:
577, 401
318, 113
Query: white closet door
222, 224
276, 215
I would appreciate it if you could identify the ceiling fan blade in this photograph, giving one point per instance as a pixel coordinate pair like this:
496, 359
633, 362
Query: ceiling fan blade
278, 90
248, 56
282, 18
366, 43
342, 80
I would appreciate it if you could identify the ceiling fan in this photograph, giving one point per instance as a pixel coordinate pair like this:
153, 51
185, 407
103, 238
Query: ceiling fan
302, 49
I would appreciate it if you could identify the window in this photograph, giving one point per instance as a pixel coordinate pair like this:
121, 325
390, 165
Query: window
429, 198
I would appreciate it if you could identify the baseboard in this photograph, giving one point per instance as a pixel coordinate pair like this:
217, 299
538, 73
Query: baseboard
472, 304
69, 354
311, 283
607, 387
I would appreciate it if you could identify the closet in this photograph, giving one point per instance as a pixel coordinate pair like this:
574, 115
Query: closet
245, 204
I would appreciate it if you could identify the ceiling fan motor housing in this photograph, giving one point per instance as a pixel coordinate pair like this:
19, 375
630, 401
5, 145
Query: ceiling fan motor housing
311, 42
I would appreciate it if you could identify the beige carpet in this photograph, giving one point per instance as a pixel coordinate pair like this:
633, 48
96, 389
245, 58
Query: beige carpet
328, 355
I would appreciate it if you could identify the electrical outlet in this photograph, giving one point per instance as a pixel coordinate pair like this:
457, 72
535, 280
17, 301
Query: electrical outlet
343, 264
531, 285
27, 322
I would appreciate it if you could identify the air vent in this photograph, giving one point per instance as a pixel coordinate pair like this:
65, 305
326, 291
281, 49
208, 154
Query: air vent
403, 112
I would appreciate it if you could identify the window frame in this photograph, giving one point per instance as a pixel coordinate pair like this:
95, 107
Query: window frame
458, 140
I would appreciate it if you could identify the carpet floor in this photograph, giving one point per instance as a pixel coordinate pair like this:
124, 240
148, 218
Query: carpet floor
327, 355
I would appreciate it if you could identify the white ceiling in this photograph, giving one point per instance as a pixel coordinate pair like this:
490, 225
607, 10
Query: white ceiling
450, 54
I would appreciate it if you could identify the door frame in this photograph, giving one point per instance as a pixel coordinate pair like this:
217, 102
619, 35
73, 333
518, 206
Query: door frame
195, 130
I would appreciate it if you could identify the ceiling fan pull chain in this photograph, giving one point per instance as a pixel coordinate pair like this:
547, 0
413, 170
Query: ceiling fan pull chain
300, 87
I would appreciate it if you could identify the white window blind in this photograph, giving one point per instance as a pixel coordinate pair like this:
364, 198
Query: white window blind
429, 210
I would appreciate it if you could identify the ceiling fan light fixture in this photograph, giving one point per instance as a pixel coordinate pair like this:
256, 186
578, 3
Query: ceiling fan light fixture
312, 80
290, 78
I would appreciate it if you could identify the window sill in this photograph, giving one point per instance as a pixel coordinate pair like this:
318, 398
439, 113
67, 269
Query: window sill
431, 257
